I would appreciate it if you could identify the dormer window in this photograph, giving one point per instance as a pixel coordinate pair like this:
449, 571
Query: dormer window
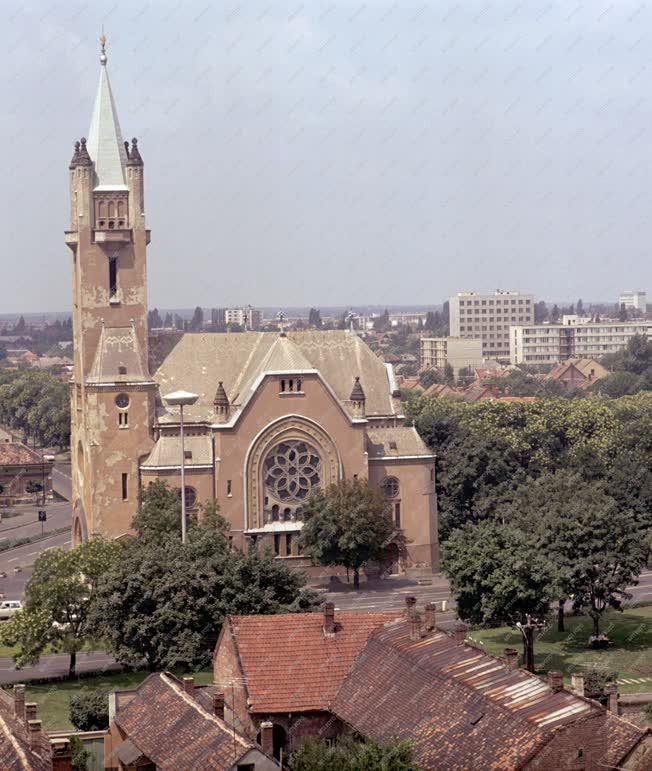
290, 385
122, 370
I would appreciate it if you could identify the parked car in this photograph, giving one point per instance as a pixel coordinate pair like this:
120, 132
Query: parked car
8, 608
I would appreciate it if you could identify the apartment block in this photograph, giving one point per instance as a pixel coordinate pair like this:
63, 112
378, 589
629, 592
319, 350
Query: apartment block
634, 301
488, 317
553, 343
457, 351
246, 317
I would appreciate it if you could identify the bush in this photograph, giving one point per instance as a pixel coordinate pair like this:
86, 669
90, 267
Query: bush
89, 710
80, 754
596, 679
647, 711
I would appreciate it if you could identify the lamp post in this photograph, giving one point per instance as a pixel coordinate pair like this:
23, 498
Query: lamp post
182, 399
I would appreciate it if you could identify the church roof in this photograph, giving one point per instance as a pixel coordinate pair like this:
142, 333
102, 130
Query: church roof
198, 451
197, 362
105, 144
399, 442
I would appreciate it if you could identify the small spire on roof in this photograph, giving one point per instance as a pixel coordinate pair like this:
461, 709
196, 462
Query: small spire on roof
84, 158
103, 51
133, 155
75, 156
221, 399
357, 394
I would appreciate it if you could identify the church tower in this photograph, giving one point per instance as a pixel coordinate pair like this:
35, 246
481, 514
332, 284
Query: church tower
112, 397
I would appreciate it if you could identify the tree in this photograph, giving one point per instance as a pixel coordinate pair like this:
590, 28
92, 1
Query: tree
580, 307
541, 312
89, 710
314, 318
350, 755
154, 319
622, 312
80, 755
165, 601
498, 577
555, 313
381, 324
169, 320
197, 321
60, 596
449, 374
348, 524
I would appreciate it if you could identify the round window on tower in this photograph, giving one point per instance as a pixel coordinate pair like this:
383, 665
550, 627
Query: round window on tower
390, 487
122, 401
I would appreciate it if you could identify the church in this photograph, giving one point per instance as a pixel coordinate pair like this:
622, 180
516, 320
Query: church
278, 415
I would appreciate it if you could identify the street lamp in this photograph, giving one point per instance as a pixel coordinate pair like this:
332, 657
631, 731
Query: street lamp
182, 399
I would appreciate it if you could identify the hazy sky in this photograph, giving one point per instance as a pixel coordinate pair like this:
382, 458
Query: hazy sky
309, 152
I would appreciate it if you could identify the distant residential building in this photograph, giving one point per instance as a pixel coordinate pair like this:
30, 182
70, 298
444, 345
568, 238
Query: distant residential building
579, 372
554, 343
407, 319
634, 301
245, 317
23, 472
572, 320
459, 352
488, 316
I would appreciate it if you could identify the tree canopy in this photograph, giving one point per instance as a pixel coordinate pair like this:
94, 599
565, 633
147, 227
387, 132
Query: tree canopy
347, 754
60, 597
348, 524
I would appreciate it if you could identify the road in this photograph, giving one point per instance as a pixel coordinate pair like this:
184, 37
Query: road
56, 666
61, 480
26, 523
16, 564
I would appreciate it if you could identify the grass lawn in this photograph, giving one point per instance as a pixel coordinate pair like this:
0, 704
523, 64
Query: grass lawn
568, 652
53, 699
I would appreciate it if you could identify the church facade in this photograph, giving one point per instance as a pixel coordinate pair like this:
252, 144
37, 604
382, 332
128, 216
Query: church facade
277, 415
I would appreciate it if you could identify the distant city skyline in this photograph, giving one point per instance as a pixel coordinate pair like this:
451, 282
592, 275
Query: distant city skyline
341, 153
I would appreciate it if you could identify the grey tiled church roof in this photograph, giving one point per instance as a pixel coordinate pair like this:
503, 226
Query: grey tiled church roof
197, 363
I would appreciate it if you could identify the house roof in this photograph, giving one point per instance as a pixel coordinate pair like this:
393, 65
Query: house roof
179, 732
290, 665
15, 751
457, 703
18, 454
166, 453
403, 441
198, 362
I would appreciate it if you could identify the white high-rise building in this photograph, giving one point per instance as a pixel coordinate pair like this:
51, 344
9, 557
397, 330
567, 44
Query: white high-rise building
488, 317
634, 301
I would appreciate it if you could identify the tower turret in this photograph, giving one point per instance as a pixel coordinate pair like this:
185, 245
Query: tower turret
358, 399
221, 404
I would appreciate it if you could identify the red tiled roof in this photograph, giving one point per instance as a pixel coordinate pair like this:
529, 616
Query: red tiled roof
15, 752
288, 662
17, 454
174, 731
458, 704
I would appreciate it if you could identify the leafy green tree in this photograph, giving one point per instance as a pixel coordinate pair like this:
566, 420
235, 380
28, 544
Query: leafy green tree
498, 577
165, 601
89, 710
60, 596
449, 374
314, 318
348, 524
347, 754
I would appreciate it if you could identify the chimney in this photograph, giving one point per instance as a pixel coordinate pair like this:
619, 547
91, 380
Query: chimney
430, 616
611, 689
34, 731
19, 701
267, 738
415, 626
30, 711
459, 632
189, 686
577, 683
61, 754
410, 605
329, 619
511, 659
555, 681
218, 705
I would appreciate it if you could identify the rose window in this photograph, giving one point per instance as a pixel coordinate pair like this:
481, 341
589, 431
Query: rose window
291, 472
